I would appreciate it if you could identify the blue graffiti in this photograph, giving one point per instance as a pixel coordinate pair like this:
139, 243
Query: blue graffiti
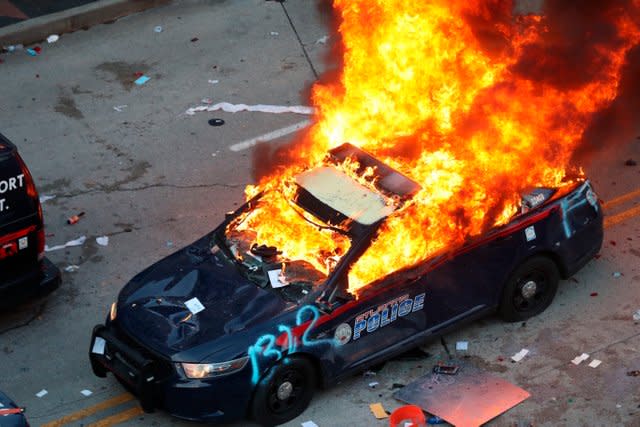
265, 346
572, 202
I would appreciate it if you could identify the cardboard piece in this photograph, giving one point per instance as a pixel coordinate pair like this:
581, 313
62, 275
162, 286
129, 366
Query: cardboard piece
470, 398
378, 411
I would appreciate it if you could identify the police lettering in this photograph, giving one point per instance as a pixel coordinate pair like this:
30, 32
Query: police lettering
386, 313
7, 185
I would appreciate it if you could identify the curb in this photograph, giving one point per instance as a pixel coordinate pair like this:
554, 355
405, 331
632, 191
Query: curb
37, 29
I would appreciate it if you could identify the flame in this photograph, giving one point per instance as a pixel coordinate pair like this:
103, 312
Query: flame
421, 91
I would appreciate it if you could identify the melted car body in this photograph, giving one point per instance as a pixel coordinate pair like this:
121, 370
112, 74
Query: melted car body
227, 328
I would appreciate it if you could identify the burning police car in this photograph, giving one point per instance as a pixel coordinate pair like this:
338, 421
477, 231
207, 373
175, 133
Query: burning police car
229, 327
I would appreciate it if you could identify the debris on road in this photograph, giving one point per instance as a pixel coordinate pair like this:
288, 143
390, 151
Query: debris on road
102, 240
593, 294
71, 268
45, 198
636, 316
373, 384
195, 39
472, 398
86, 392
579, 359
595, 363
32, 52
274, 33
435, 420
53, 38
73, 219
322, 40
77, 242
462, 345
262, 108
42, 393
214, 82
120, 108
630, 162
520, 355
216, 122
406, 416
378, 410
617, 274
157, 29
142, 80
309, 424
633, 374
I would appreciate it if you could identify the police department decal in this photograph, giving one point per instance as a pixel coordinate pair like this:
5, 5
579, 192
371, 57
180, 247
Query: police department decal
386, 313
343, 334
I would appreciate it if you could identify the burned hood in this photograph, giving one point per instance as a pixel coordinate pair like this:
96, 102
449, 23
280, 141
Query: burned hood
192, 298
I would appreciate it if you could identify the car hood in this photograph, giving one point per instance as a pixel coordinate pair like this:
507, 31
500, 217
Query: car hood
151, 308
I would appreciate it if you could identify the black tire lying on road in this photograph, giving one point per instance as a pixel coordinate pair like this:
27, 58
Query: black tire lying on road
284, 392
530, 289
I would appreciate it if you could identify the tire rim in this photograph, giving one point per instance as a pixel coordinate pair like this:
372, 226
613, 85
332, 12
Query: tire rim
285, 391
530, 292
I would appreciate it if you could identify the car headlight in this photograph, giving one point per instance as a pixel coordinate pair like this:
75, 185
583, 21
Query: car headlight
206, 370
113, 312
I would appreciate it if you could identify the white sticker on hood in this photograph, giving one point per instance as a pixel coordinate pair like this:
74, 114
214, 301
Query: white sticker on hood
194, 305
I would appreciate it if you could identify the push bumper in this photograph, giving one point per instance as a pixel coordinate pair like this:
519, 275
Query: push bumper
157, 384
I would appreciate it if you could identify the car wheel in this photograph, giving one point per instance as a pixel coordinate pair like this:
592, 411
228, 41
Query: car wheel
529, 290
284, 392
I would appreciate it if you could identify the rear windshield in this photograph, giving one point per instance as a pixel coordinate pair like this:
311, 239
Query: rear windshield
15, 202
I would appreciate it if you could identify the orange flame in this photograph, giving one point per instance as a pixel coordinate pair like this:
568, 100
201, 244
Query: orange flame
422, 92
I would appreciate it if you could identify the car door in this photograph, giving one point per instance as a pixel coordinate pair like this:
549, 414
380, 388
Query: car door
385, 316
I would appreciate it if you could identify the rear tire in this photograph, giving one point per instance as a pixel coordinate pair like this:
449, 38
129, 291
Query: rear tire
284, 392
529, 290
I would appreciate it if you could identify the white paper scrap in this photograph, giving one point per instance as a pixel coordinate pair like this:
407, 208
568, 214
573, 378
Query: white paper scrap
214, 82
77, 242
71, 268
102, 240
119, 108
45, 198
42, 393
275, 278
53, 38
98, 345
520, 355
595, 363
462, 345
86, 392
579, 359
373, 384
274, 33
309, 424
194, 305
530, 233
636, 315
322, 40
234, 108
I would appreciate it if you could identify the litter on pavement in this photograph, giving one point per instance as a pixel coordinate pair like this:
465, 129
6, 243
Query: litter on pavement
309, 424
373, 384
119, 108
142, 80
71, 268
42, 393
157, 29
636, 316
77, 242
45, 198
102, 240
462, 345
322, 40
520, 355
471, 398
595, 363
262, 108
579, 359
86, 392
53, 38
378, 411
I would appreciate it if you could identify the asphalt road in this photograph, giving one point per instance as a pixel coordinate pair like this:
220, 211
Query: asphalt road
154, 179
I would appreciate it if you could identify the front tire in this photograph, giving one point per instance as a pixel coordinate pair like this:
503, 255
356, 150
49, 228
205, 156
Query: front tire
284, 392
529, 290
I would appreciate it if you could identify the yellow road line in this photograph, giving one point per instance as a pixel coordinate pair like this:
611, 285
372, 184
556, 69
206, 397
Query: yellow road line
621, 199
118, 418
622, 216
83, 413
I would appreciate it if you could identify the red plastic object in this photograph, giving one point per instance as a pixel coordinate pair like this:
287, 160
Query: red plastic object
38, 49
407, 413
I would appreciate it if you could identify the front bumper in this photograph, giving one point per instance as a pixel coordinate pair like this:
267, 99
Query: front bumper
16, 287
157, 384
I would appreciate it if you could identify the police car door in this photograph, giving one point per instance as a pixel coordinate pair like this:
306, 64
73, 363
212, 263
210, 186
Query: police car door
385, 318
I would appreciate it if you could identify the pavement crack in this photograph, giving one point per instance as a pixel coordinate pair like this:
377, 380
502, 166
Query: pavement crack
37, 314
108, 189
304, 49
